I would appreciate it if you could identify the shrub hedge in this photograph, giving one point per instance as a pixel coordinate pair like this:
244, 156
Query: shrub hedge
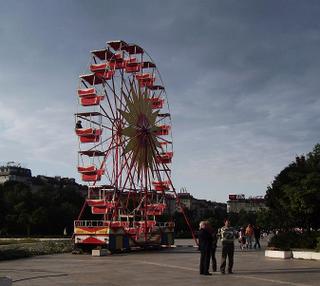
291, 240
21, 250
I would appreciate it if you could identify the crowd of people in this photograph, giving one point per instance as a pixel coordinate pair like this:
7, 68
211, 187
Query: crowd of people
248, 235
208, 237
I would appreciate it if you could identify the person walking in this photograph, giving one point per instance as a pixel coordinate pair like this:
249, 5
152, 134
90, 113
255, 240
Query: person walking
257, 234
228, 234
242, 239
205, 246
249, 235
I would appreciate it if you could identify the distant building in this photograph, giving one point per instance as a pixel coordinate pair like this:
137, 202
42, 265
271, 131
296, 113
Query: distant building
199, 207
57, 180
236, 203
14, 172
185, 199
171, 204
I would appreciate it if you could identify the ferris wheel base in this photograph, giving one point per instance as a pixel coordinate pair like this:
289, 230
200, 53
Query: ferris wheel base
117, 239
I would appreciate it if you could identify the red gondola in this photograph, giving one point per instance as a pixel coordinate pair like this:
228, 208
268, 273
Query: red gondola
164, 158
163, 130
156, 102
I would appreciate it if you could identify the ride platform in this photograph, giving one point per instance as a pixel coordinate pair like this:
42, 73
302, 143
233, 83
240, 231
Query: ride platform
117, 237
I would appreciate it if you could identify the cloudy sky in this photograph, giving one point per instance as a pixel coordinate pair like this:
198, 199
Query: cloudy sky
242, 79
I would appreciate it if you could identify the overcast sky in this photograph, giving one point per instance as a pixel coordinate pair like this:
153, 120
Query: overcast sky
242, 79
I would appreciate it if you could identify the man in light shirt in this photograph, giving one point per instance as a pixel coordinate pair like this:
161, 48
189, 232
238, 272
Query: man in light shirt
228, 235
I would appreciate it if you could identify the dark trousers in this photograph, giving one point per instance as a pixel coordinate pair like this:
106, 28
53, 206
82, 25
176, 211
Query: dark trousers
214, 261
257, 242
227, 250
205, 260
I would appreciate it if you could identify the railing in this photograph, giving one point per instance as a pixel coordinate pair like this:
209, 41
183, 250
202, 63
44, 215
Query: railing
95, 223
88, 223
166, 224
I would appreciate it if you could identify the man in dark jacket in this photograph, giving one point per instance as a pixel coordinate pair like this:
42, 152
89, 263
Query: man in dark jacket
213, 250
205, 246
257, 233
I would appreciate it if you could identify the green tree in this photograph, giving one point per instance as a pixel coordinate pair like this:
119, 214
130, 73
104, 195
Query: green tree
294, 195
44, 210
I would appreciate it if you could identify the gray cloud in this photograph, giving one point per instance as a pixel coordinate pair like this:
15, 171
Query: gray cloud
242, 80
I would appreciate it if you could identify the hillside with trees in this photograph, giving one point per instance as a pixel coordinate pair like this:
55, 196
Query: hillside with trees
46, 210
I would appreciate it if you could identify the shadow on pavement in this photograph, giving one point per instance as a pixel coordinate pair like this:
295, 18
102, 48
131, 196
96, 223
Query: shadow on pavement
280, 271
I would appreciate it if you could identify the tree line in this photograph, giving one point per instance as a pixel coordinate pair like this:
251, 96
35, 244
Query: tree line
45, 210
293, 201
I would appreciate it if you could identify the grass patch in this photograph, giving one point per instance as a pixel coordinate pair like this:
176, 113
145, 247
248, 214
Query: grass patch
18, 241
27, 249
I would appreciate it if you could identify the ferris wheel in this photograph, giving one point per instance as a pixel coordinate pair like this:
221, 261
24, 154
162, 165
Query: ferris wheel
125, 151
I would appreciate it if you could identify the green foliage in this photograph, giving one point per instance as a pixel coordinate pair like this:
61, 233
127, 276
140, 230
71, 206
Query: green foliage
290, 240
45, 210
21, 250
266, 219
215, 218
243, 218
318, 243
294, 195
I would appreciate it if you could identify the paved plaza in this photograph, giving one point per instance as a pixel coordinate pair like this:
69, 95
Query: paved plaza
178, 266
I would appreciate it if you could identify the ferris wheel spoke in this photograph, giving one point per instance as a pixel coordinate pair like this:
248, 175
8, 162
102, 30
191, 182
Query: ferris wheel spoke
132, 182
129, 169
163, 139
160, 120
93, 122
108, 99
123, 157
107, 115
121, 88
132, 186
106, 173
104, 158
157, 153
116, 97
128, 90
119, 174
165, 168
100, 143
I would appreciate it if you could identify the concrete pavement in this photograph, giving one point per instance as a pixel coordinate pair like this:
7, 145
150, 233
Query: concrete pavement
178, 266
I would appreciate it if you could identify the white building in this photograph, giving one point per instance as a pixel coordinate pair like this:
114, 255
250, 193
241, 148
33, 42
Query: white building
236, 203
14, 172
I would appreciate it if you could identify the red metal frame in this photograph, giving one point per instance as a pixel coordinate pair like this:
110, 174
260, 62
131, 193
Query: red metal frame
137, 193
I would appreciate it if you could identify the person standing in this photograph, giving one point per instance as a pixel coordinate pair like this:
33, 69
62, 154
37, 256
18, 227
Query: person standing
228, 234
257, 234
205, 246
249, 235
242, 238
214, 234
